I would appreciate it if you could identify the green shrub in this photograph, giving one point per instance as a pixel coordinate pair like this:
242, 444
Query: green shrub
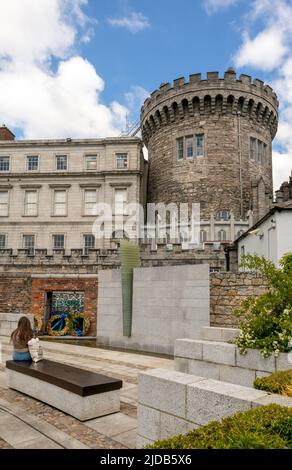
278, 382
267, 323
266, 427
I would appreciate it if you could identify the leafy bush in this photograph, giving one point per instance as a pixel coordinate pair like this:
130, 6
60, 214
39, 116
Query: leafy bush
278, 382
266, 427
268, 318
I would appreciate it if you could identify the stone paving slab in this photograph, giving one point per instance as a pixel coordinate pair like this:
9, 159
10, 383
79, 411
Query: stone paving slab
112, 425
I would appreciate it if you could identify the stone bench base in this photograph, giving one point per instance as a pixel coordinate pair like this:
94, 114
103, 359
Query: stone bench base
82, 408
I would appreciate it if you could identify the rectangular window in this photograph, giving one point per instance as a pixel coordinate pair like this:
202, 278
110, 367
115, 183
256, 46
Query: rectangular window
61, 162
4, 164
180, 148
59, 242
29, 243
60, 202
90, 201
30, 203
190, 146
120, 201
253, 149
88, 243
265, 160
199, 145
4, 203
2, 241
91, 162
260, 151
32, 163
122, 161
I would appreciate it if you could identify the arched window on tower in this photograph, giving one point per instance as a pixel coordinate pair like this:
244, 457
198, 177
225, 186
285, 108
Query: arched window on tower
223, 215
222, 235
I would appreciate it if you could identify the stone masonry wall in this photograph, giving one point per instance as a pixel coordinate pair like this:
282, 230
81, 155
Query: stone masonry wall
15, 293
227, 290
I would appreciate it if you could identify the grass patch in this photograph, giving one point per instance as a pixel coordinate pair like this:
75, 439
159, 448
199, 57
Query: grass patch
278, 382
266, 427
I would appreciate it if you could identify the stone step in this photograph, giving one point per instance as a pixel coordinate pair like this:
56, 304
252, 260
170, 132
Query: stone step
212, 333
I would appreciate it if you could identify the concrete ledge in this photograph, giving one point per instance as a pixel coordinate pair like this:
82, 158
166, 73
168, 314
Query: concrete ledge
212, 333
223, 361
199, 401
82, 408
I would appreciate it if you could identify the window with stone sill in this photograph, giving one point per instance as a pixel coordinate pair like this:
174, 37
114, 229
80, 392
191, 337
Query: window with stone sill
2, 241
61, 162
28, 243
91, 162
90, 202
4, 164
122, 161
30, 203
258, 151
190, 146
32, 163
4, 200
59, 242
223, 215
222, 236
88, 243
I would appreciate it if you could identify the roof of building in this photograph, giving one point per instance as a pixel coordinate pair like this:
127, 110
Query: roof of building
276, 208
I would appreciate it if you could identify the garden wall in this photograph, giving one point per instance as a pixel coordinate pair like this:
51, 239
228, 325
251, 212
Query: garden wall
227, 290
15, 293
172, 403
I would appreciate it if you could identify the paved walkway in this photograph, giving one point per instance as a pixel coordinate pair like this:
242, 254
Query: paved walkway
27, 423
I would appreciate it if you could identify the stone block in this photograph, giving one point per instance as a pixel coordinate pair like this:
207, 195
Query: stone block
237, 375
273, 398
181, 364
284, 361
172, 426
220, 353
254, 360
149, 422
170, 390
188, 348
213, 400
82, 408
204, 369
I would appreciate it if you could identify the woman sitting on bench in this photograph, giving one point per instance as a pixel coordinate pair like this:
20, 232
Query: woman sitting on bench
20, 338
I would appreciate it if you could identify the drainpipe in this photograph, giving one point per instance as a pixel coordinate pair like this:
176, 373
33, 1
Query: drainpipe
240, 162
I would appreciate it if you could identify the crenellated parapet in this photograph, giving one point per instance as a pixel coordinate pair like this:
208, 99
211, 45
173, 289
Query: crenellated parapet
252, 98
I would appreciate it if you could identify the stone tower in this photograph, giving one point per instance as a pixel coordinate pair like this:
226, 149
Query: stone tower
210, 141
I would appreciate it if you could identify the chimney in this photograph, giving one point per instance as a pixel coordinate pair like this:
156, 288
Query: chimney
6, 134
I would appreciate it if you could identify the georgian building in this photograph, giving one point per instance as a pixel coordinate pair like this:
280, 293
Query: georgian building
49, 189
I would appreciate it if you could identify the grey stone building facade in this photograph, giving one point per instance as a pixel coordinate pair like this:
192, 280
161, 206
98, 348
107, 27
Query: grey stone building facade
210, 142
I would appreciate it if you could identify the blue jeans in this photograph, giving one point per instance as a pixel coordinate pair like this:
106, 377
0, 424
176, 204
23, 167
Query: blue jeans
21, 356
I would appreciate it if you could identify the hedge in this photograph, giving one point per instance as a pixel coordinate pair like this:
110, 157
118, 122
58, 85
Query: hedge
278, 382
266, 427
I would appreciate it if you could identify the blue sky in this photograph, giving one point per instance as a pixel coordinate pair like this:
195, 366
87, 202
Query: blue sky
78, 67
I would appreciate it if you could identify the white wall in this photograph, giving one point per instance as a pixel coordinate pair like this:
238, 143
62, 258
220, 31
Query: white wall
276, 239
168, 303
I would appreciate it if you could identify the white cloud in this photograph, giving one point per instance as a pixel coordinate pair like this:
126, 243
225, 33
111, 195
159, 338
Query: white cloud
270, 50
213, 5
134, 22
47, 90
265, 51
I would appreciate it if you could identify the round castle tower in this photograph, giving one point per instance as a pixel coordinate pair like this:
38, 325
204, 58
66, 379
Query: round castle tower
210, 141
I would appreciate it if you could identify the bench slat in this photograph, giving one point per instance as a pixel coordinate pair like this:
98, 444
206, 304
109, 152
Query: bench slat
73, 379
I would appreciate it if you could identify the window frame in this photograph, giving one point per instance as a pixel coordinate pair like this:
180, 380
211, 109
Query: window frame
96, 155
86, 190
85, 248
197, 135
8, 201
189, 138
53, 238
56, 162
27, 163
36, 204
178, 149
127, 160
3, 234
54, 191
32, 249
125, 207
9, 163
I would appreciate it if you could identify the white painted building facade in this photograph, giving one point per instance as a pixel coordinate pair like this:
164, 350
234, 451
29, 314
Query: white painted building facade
271, 237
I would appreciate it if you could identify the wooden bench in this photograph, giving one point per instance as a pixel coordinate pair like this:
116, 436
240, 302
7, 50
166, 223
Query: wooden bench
78, 392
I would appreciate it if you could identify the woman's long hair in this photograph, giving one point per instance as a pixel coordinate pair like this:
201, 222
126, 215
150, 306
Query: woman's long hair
23, 332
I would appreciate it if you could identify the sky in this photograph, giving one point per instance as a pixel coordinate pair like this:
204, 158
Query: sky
79, 68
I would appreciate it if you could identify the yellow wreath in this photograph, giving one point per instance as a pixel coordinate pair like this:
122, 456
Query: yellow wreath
54, 332
39, 322
86, 324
